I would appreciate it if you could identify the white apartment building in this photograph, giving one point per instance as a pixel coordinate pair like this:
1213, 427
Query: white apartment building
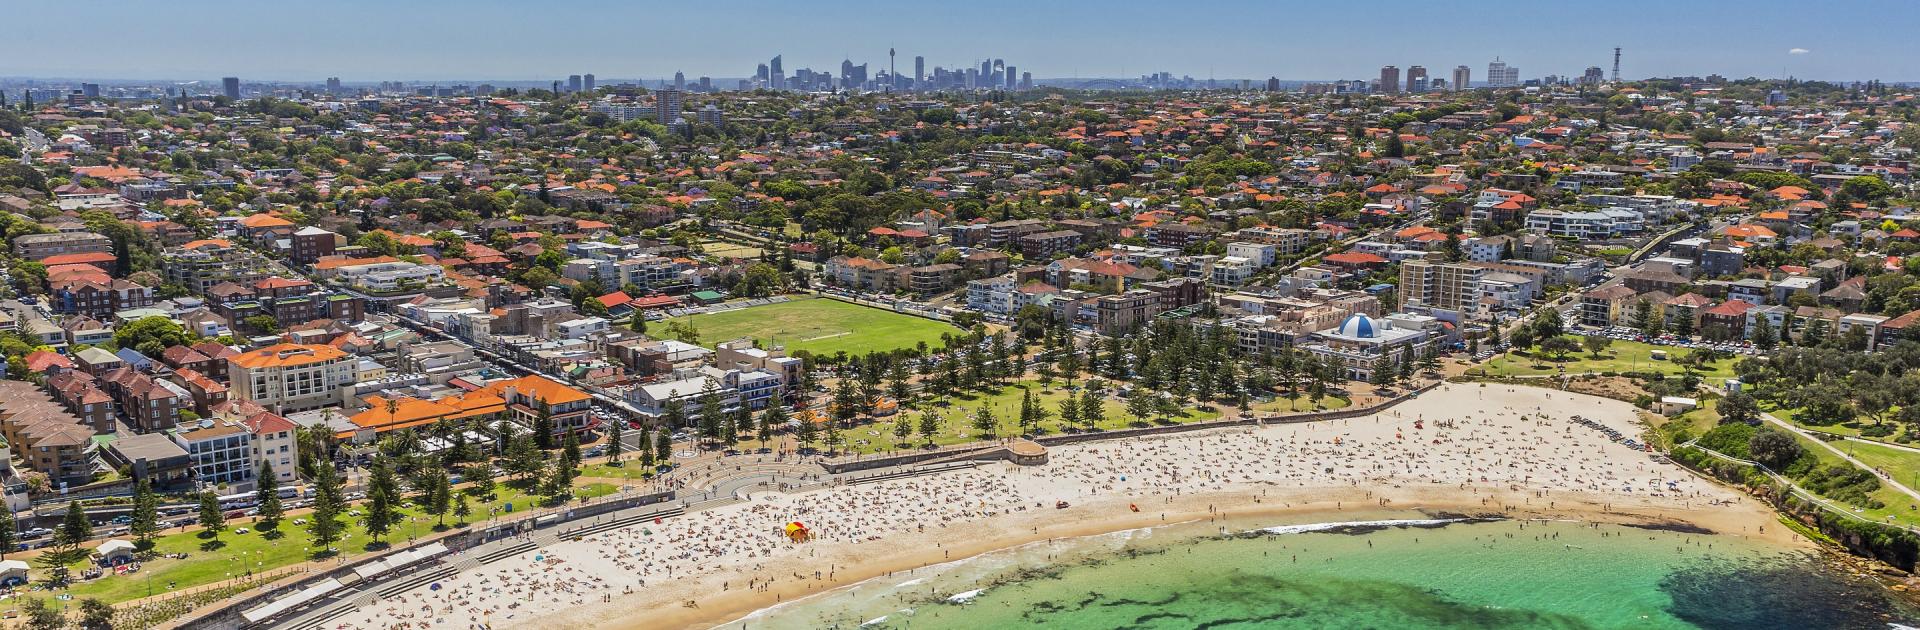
1262, 254
1592, 224
290, 377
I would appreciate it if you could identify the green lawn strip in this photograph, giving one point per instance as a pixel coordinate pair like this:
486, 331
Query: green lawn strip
1620, 357
626, 469
1896, 503
956, 416
821, 326
1902, 465
235, 553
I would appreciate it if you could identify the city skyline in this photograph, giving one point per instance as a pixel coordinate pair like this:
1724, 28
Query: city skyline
499, 41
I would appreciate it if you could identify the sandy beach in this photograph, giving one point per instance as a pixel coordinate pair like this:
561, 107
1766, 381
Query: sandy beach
1512, 451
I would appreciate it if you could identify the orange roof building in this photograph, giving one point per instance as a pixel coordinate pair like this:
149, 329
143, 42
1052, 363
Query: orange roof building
289, 377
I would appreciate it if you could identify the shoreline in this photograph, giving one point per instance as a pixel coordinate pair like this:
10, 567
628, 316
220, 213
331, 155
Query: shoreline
1505, 452
737, 608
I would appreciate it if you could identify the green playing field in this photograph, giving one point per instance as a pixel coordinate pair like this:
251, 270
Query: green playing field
821, 326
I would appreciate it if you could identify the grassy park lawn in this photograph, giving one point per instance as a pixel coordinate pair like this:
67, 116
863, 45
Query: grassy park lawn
628, 468
231, 554
1898, 505
821, 326
956, 416
1849, 429
1902, 465
1622, 356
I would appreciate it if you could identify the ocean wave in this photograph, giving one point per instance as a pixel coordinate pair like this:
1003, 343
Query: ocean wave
962, 598
1359, 526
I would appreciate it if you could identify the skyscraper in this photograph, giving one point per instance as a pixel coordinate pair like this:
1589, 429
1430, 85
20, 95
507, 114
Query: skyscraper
776, 75
333, 85
1462, 75
1012, 74
1417, 79
761, 74
1593, 76
231, 86
679, 81
586, 82
1499, 74
1389, 79
1273, 84
573, 83
666, 106
919, 72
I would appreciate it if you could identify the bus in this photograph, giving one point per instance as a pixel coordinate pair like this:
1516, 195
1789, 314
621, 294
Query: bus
238, 501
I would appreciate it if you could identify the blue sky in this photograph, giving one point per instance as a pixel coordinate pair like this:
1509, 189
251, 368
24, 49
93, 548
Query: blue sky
368, 40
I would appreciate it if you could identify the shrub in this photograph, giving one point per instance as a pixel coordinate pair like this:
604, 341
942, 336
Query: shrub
1844, 483
1730, 439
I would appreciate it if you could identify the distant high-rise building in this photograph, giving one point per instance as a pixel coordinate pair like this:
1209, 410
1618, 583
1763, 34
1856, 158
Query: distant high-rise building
666, 105
1593, 76
586, 82
1012, 73
919, 71
231, 86
679, 81
90, 90
1417, 79
706, 84
574, 82
760, 74
1026, 80
1273, 84
1389, 79
775, 75
1462, 75
333, 85
1499, 74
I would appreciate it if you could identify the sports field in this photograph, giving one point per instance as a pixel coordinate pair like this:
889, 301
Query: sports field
820, 326
730, 250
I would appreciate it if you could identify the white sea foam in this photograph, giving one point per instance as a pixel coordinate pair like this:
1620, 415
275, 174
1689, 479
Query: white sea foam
962, 598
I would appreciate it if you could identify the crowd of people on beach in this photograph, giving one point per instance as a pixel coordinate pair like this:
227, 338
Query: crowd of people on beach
1502, 441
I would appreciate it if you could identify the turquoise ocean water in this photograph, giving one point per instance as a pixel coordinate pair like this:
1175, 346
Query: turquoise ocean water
1407, 574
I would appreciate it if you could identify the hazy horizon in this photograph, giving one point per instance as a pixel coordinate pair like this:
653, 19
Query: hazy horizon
365, 41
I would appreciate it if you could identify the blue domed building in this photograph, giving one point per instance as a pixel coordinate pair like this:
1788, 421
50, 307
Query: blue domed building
1362, 343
